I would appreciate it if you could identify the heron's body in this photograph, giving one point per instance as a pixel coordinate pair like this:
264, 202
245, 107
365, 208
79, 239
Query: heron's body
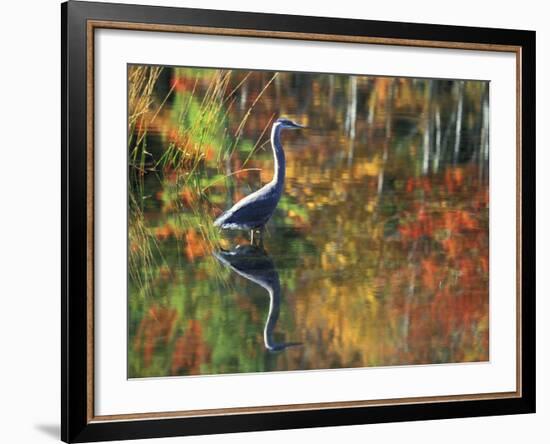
253, 211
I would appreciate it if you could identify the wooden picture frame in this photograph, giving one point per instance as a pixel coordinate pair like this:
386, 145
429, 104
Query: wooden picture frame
79, 22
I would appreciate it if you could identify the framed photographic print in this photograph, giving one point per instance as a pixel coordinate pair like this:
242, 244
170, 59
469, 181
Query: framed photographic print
275, 221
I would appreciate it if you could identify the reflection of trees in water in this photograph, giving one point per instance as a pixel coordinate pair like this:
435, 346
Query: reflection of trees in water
436, 114
381, 237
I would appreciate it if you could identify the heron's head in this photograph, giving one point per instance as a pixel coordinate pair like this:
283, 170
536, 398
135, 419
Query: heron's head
286, 123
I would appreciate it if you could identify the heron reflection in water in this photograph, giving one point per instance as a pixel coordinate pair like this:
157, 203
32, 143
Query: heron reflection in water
253, 211
253, 263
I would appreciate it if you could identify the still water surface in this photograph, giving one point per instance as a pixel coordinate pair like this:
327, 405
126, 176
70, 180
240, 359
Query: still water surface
377, 254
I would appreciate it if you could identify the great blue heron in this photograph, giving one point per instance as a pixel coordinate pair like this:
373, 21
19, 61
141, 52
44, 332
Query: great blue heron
253, 263
253, 211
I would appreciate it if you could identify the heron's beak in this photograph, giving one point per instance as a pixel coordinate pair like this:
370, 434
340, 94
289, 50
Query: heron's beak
297, 126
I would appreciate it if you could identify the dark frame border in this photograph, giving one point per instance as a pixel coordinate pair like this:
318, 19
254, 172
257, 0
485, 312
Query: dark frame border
77, 424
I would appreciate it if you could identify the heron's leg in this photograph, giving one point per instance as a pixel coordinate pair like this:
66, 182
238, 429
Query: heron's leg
252, 237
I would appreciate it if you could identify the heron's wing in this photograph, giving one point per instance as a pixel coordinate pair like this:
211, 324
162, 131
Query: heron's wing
256, 212
254, 208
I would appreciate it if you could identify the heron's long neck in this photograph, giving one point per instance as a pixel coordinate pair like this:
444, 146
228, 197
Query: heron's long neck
278, 157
